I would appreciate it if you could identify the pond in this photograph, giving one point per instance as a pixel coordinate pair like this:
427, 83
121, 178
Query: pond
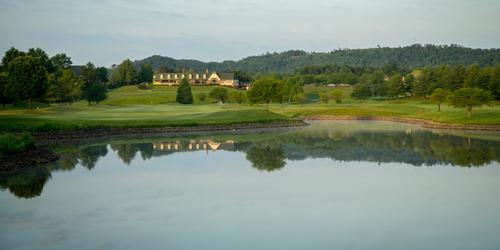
329, 185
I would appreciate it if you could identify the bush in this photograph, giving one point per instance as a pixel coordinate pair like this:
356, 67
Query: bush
337, 96
145, 86
201, 96
237, 97
300, 98
325, 97
96, 93
10, 143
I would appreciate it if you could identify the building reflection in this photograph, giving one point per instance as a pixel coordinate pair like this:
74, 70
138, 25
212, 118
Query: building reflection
194, 145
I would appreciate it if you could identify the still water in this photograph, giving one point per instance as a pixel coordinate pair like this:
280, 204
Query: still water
330, 185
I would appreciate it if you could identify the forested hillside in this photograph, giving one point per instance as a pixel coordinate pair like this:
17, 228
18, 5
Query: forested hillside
406, 57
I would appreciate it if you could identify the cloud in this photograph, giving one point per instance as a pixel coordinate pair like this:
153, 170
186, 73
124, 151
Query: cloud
108, 31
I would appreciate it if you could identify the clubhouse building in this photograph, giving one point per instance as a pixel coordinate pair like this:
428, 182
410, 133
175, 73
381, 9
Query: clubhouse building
214, 78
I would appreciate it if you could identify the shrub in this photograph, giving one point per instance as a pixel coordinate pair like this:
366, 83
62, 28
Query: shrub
325, 97
337, 96
96, 93
237, 97
145, 86
300, 98
10, 143
201, 96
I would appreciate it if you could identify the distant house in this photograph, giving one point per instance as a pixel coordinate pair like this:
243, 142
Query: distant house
333, 85
214, 78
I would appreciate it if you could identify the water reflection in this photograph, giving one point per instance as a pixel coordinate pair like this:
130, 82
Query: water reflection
271, 151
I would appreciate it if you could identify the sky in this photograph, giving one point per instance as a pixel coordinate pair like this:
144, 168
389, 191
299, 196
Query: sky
109, 31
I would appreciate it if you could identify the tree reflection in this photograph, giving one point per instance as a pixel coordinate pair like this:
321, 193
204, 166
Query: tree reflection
266, 158
126, 152
269, 152
26, 184
90, 155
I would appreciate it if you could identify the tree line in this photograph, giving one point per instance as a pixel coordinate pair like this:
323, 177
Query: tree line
413, 56
34, 76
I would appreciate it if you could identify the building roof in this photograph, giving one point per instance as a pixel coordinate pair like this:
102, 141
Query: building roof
226, 76
222, 76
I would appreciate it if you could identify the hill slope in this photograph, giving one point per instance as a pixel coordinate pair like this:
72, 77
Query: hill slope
410, 56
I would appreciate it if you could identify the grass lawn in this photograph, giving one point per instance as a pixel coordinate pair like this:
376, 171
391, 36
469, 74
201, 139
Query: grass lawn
131, 95
131, 107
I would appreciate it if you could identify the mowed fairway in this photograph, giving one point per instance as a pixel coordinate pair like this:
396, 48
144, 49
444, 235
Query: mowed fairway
131, 107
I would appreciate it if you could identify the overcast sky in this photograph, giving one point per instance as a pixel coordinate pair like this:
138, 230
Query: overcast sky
108, 31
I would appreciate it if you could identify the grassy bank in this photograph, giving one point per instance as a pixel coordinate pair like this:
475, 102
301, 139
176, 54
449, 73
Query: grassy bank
131, 107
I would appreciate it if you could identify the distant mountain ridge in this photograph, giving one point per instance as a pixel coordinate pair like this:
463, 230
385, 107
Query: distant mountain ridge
410, 57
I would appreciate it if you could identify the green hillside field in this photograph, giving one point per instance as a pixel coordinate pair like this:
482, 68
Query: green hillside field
130, 107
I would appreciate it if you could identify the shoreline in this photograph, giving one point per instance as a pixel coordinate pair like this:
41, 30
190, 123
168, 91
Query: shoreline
424, 123
32, 158
104, 133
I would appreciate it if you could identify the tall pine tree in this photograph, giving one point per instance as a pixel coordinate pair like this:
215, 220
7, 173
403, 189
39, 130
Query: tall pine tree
184, 95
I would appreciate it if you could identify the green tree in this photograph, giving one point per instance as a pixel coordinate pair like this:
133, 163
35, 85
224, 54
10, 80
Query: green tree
61, 61
124, 74
184, 95
4, 97
237, 97
337, 96
292, 88
469, 98
101, 75
439, 96
300, 98
395, 87
146, 73
494, 82
266, 90
27, 78
370, 85
220, 94
43, 58
52, 92
69, 87
10, 55
96, 93
325, 97
88, 75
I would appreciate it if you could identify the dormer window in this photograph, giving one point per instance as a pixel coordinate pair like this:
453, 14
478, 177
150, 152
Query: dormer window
161, 77
175, 76
168, 76
190, 76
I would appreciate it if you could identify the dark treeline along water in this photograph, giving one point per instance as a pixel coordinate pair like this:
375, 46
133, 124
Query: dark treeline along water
330, 185
270, 151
